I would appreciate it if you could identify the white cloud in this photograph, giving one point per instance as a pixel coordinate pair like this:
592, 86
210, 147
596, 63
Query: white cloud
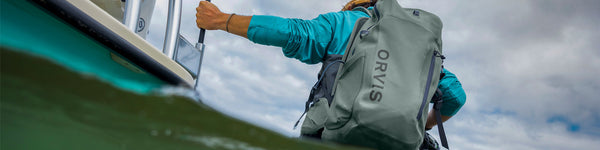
496, 131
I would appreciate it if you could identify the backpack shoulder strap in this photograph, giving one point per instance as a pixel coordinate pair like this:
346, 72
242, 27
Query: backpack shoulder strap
437, 104
323, 86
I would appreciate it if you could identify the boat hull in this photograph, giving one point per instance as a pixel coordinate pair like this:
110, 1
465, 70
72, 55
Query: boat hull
86, 46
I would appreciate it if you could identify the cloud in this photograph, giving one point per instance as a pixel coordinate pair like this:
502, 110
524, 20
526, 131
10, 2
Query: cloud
249, 84
529, 69
497, 131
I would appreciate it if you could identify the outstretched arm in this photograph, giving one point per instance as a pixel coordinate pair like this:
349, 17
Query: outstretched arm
305, 40
209, 17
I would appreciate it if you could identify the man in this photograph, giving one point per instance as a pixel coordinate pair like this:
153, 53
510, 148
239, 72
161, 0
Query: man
314, 41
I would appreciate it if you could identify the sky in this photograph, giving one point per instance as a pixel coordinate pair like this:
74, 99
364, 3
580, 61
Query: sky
529, 69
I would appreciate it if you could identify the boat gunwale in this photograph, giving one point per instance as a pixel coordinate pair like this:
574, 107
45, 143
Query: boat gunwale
125, 43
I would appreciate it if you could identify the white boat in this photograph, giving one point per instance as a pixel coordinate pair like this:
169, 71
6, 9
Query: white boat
82, 36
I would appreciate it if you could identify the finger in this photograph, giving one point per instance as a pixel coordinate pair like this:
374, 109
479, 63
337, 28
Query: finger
201, 5
204, 3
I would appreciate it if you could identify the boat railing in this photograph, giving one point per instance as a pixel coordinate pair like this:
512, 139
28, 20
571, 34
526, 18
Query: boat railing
131, 14
175, 46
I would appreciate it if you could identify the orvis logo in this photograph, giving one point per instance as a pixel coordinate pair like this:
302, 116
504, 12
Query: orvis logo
379, 75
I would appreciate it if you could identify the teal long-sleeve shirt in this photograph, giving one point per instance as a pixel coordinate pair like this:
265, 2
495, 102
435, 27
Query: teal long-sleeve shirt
309, 41
305, 40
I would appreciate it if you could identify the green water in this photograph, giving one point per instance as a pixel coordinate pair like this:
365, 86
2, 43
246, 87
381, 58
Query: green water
45, 106
29, 28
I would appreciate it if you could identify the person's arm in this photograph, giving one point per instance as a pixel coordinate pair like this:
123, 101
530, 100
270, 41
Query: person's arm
431, 120
453, 97
209, 17
305, 40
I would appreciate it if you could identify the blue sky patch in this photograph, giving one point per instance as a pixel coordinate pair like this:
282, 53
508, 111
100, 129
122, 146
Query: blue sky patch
571, 126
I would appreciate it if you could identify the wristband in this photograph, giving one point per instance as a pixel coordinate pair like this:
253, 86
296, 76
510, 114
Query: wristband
227, 23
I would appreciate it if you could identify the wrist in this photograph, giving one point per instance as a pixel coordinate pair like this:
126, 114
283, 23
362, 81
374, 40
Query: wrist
222, 22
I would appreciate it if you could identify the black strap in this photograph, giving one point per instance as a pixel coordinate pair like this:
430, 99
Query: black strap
437, 100
437, 104
313, 90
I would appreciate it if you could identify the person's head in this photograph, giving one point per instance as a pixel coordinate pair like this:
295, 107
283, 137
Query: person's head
359, 3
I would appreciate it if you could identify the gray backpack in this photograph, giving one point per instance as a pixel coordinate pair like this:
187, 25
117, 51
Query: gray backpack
381, 92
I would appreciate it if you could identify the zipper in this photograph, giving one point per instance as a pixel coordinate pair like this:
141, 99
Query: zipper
428, 84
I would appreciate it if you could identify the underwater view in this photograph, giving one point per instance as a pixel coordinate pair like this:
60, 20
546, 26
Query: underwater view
46, 106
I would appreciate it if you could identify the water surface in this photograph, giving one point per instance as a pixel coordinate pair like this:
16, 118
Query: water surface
45, 106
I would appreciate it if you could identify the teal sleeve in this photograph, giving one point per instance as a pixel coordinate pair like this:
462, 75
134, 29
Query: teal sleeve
454, 96
305, 40
268, 30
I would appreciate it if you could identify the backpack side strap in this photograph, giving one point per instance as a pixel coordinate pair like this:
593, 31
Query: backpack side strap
437, 104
